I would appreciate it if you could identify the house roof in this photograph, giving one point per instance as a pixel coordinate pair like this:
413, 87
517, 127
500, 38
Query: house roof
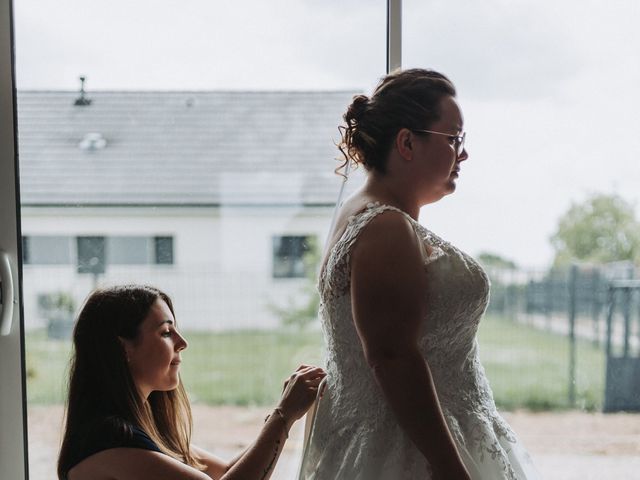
180, 148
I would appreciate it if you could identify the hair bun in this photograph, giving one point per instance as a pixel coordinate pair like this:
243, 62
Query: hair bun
357, 109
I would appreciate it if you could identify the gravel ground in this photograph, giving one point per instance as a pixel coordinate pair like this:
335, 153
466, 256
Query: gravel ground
564, 446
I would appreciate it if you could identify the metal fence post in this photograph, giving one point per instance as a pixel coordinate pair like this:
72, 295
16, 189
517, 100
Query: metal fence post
627, 321
596, 306
548, 298
572, 334
610, 308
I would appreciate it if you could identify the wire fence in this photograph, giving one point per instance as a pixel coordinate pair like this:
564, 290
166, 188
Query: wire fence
549, 299
542, 343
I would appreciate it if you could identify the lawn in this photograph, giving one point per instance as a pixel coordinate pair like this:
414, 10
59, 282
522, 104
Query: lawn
529, 368
526, 367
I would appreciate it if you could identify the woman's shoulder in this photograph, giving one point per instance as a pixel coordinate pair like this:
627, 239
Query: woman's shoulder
118, 449
115, 430
384, 235
359, 220
377, 215
133, 464
105, 433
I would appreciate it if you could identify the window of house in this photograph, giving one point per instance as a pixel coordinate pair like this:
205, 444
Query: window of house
163, 250
116, 250
129, 250
91, 254
47, 250
289, 255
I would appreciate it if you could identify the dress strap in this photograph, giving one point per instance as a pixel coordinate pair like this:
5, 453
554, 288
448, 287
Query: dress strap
357, 223
336, 274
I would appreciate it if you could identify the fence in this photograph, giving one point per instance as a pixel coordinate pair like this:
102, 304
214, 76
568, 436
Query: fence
622, 391
231, 313
582, 302
206, 298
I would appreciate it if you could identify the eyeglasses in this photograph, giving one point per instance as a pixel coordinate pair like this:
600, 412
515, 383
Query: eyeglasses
458, 140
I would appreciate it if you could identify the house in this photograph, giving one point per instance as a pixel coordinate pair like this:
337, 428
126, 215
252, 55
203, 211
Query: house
215, 197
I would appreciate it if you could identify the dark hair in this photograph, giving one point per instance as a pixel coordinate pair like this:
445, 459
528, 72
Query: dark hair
101, 385
402, 99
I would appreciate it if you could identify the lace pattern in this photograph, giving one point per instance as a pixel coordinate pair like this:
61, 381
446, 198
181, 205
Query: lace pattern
354, 423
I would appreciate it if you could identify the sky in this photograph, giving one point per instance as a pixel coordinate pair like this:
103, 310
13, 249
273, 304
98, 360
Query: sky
549, 90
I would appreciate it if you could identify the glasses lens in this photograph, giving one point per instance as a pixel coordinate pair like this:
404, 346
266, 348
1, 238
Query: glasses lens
460, 143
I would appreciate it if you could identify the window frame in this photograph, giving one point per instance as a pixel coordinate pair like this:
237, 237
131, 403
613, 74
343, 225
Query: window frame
13, 434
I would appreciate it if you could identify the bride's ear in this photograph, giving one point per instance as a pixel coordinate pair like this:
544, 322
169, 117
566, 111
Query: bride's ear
404, 143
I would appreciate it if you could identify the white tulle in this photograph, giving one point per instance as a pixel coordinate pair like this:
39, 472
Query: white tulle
356, 436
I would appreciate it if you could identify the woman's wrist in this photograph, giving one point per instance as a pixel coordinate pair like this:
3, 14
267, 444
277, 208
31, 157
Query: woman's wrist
279, 416
287, 419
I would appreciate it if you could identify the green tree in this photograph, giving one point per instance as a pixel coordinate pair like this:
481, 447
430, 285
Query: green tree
601, 229
489, 259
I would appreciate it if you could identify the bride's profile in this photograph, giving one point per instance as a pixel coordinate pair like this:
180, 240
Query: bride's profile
406, 396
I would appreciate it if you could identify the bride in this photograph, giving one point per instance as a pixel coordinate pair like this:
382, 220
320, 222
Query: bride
406, 397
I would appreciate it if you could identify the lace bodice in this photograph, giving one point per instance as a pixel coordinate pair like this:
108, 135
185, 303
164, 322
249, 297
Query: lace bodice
355, 413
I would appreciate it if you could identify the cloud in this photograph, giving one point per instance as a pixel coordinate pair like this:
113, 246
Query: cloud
494, 49
280, 44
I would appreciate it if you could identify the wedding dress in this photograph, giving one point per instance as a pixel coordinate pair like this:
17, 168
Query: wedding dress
355, 435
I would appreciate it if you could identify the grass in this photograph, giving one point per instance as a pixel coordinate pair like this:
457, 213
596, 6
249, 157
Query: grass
527, 368
244, 368
239, 368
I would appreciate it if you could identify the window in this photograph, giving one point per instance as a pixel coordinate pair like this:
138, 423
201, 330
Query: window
129, 250
224, 158
25, 250
116, 250
47, 250
91, 254
289, 255
139, 250
163, 250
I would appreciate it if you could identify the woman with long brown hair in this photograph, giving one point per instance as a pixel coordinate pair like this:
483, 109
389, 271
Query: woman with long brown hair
128, 415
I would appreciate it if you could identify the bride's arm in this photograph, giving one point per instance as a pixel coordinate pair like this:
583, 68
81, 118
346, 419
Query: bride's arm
388, 286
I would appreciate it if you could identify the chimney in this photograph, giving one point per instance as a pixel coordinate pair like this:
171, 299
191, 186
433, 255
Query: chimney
82, 100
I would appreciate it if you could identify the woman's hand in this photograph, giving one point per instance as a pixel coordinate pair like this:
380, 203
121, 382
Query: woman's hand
300, 390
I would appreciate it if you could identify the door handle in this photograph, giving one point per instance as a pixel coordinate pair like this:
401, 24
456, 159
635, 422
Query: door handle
7, 299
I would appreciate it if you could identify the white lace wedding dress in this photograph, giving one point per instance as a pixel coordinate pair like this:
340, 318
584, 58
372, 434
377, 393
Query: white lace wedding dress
355, 434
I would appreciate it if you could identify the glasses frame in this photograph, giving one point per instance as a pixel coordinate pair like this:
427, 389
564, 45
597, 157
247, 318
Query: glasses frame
458, 140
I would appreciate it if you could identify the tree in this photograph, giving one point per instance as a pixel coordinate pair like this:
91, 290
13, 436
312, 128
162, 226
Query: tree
601, 229
490, 259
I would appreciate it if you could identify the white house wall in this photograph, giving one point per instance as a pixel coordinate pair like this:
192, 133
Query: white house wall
221, 278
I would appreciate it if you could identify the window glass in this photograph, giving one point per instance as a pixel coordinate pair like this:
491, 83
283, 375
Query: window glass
289, 256
163, 251
191, 138
47, 250
129, 250
546, 202
92, 254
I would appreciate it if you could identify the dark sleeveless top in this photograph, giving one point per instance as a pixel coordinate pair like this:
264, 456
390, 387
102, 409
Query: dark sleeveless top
106, 433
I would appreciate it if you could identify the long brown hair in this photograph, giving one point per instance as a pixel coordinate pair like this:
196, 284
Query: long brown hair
101, 385
402, 99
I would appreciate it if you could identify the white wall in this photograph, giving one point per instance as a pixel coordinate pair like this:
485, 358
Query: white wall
222, 273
